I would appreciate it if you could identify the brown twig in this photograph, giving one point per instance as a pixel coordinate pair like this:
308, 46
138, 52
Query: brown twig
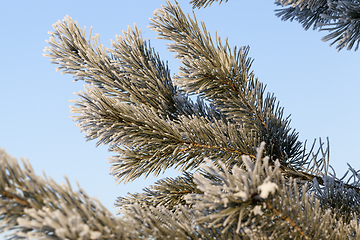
14, 197
286, 219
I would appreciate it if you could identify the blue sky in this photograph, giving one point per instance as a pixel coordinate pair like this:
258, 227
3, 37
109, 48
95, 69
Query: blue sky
316, 84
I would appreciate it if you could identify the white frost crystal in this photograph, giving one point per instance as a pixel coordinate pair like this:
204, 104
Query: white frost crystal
242, 195
266, 188
257, 210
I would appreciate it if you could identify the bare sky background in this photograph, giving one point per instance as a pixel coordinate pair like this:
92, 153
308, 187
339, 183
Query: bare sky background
316, 84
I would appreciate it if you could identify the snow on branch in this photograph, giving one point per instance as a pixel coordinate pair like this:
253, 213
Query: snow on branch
340, 18
36, 207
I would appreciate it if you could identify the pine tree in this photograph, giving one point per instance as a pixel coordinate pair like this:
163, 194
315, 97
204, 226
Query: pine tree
245, 174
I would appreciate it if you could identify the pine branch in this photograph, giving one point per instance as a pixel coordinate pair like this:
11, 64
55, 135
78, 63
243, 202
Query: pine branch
204, 3
182, 143
133, 106
315, 168
222, 75
339, 195
340, 18
180, 223
307, 16
102, 118
88, 60
260, 203
345, 31
142, 66
167, 192
36, 207
47, 209
198, 139
287, 219
231, 189
85, 59
121, 91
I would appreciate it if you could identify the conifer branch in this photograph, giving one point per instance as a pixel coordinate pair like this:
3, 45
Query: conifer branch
36, 207
238, 199
204, 3
340, 18
222, 75
286, 219
167, 192
217, 147
146, 117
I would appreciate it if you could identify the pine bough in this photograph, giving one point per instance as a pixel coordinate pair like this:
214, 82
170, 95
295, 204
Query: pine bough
245, 174
340, 18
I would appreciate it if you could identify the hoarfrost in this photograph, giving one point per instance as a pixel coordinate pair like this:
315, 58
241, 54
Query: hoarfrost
266, 188
242, 195
95, 235
257, 210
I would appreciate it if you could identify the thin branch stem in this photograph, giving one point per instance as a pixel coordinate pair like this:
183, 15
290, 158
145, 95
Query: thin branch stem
16, 198
218, 148
286, 219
